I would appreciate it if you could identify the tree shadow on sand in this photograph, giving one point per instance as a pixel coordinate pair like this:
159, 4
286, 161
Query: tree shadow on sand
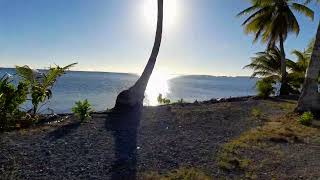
124, 126
63, 131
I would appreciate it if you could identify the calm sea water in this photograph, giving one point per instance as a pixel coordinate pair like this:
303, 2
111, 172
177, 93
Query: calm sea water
101, 88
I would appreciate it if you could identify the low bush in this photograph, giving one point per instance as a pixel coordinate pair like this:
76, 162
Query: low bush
162, 100
265, 88
11, 97
82, 110
40, 83
306, 118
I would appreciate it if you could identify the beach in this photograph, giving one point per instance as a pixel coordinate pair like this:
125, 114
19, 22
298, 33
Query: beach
167, 138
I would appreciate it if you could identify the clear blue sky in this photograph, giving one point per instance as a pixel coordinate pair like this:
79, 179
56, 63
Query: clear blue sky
200, 36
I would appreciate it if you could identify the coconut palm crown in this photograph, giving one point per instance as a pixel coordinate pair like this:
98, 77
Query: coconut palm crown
272, 21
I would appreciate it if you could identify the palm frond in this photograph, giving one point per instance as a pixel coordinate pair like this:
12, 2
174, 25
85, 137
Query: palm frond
26, 73
53, 73
303, 10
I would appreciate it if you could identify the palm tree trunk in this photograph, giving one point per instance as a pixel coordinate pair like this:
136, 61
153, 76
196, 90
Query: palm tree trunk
284, 84
135, 95
309, 99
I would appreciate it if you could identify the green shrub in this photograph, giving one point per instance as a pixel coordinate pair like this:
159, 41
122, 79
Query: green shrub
256, 112
265, 88
11, 97
162, 100
40, 84
82, 110
306, 118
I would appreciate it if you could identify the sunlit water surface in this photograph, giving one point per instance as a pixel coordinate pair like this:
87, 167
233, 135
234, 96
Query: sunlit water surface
101, 88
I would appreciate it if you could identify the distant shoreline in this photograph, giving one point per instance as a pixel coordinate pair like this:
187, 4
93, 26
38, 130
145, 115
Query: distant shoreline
136, 74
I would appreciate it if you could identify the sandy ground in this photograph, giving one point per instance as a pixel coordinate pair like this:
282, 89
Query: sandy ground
122, 146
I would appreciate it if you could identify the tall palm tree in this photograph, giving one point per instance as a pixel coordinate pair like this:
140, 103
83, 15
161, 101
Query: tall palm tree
310, 98
134, 96
272, 21
267, 64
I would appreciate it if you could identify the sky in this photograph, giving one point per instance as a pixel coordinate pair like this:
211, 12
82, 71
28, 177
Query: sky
200, 36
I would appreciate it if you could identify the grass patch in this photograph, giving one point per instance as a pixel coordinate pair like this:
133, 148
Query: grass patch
259, 147
256, 112
178, 174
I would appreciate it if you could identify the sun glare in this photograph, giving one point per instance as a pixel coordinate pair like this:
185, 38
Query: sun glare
170, 13
158, 84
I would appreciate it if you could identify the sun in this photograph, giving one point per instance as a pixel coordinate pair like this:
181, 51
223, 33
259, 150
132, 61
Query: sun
170, 13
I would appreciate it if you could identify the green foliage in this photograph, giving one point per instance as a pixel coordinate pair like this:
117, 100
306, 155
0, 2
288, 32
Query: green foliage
256, 112
11, 97
178, 174
82, 110
267, 64
40, 84
162, 100
306, 118
299, 68
271, 20
265, 88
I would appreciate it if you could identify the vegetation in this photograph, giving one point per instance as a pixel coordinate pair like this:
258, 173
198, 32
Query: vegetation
178, 174
265, 87
32, 84
267, 64
306, 118
258, 150
162, 100
256, 112
272, 21
82, 110
40, 84
11, 97
309, 98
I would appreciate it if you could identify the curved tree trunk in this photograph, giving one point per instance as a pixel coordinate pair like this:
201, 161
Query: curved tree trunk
134, 96
310, 99
284, 90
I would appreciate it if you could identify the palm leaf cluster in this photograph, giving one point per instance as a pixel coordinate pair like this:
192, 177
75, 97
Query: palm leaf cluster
41, 83
267, 65
271, 20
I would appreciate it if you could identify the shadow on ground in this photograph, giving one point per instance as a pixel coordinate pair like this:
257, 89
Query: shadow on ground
63, 131
123, 126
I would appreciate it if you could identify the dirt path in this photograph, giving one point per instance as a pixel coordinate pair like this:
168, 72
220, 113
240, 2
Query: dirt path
168, 137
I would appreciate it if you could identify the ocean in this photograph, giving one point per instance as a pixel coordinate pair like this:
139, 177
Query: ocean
102, 88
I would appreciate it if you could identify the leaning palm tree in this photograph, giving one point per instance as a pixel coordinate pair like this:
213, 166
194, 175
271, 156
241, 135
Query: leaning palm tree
134, 96
272, 21
310, 99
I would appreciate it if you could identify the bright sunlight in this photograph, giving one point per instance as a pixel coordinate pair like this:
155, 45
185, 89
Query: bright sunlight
171, 12
158, 84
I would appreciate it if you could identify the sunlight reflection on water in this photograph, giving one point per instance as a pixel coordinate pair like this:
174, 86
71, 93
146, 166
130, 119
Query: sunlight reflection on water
158, 84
